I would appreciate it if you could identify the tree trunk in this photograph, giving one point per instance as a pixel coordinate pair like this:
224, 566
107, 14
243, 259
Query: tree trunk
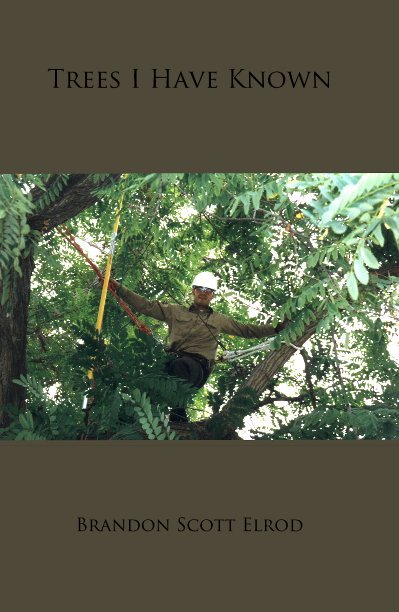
261, 376
258, 381
13, 339
75, 197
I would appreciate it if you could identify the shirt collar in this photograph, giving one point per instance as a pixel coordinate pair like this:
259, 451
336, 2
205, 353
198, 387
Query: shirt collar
194, 308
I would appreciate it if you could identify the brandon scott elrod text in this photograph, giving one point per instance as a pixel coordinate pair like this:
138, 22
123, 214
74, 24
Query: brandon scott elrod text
181, 524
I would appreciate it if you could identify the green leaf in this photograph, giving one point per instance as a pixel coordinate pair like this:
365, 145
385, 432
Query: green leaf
245, 199
352, 213
369, 259
236, 202
331, 211
338, 227
361, 272
16, 381
256, 196
365, 218
312, 260
26, 420
302, 300
276, 343
324, 324
333, 310
352, 285
378, 235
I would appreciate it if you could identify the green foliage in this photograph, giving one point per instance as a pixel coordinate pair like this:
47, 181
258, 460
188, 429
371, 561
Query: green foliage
115, 411
155, 426
337, 424
313, 250
14, 230
50, 191
44, 419
243, 404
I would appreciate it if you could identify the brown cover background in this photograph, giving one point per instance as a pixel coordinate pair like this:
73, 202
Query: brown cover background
345, 493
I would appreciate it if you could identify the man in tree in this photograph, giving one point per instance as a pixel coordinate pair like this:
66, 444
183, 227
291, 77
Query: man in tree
194, 331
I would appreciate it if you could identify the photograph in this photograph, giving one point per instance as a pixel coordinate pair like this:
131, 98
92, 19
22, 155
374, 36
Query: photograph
199, 306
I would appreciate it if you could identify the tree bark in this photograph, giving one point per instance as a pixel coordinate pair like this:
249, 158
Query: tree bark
13, 339
75, 197
260, 378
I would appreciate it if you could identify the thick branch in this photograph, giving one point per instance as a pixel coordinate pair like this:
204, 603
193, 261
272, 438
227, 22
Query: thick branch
389, 270
74, 198
260, 377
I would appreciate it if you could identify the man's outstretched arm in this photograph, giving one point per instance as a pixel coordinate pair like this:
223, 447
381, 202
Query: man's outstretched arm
153, 308
248, 330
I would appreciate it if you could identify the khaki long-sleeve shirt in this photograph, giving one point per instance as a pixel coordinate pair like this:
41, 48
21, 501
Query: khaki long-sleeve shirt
192, 330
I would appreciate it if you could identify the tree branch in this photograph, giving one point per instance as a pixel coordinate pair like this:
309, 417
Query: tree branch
261, 376
76, 196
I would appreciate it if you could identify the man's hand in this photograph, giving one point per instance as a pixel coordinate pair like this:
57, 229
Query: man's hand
98, 282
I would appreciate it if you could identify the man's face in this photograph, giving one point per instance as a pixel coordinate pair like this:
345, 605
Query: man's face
202, 296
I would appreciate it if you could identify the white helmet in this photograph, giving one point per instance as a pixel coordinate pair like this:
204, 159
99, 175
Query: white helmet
205, 279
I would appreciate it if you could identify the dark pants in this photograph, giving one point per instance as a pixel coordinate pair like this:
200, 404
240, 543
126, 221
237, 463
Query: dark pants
191, 368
